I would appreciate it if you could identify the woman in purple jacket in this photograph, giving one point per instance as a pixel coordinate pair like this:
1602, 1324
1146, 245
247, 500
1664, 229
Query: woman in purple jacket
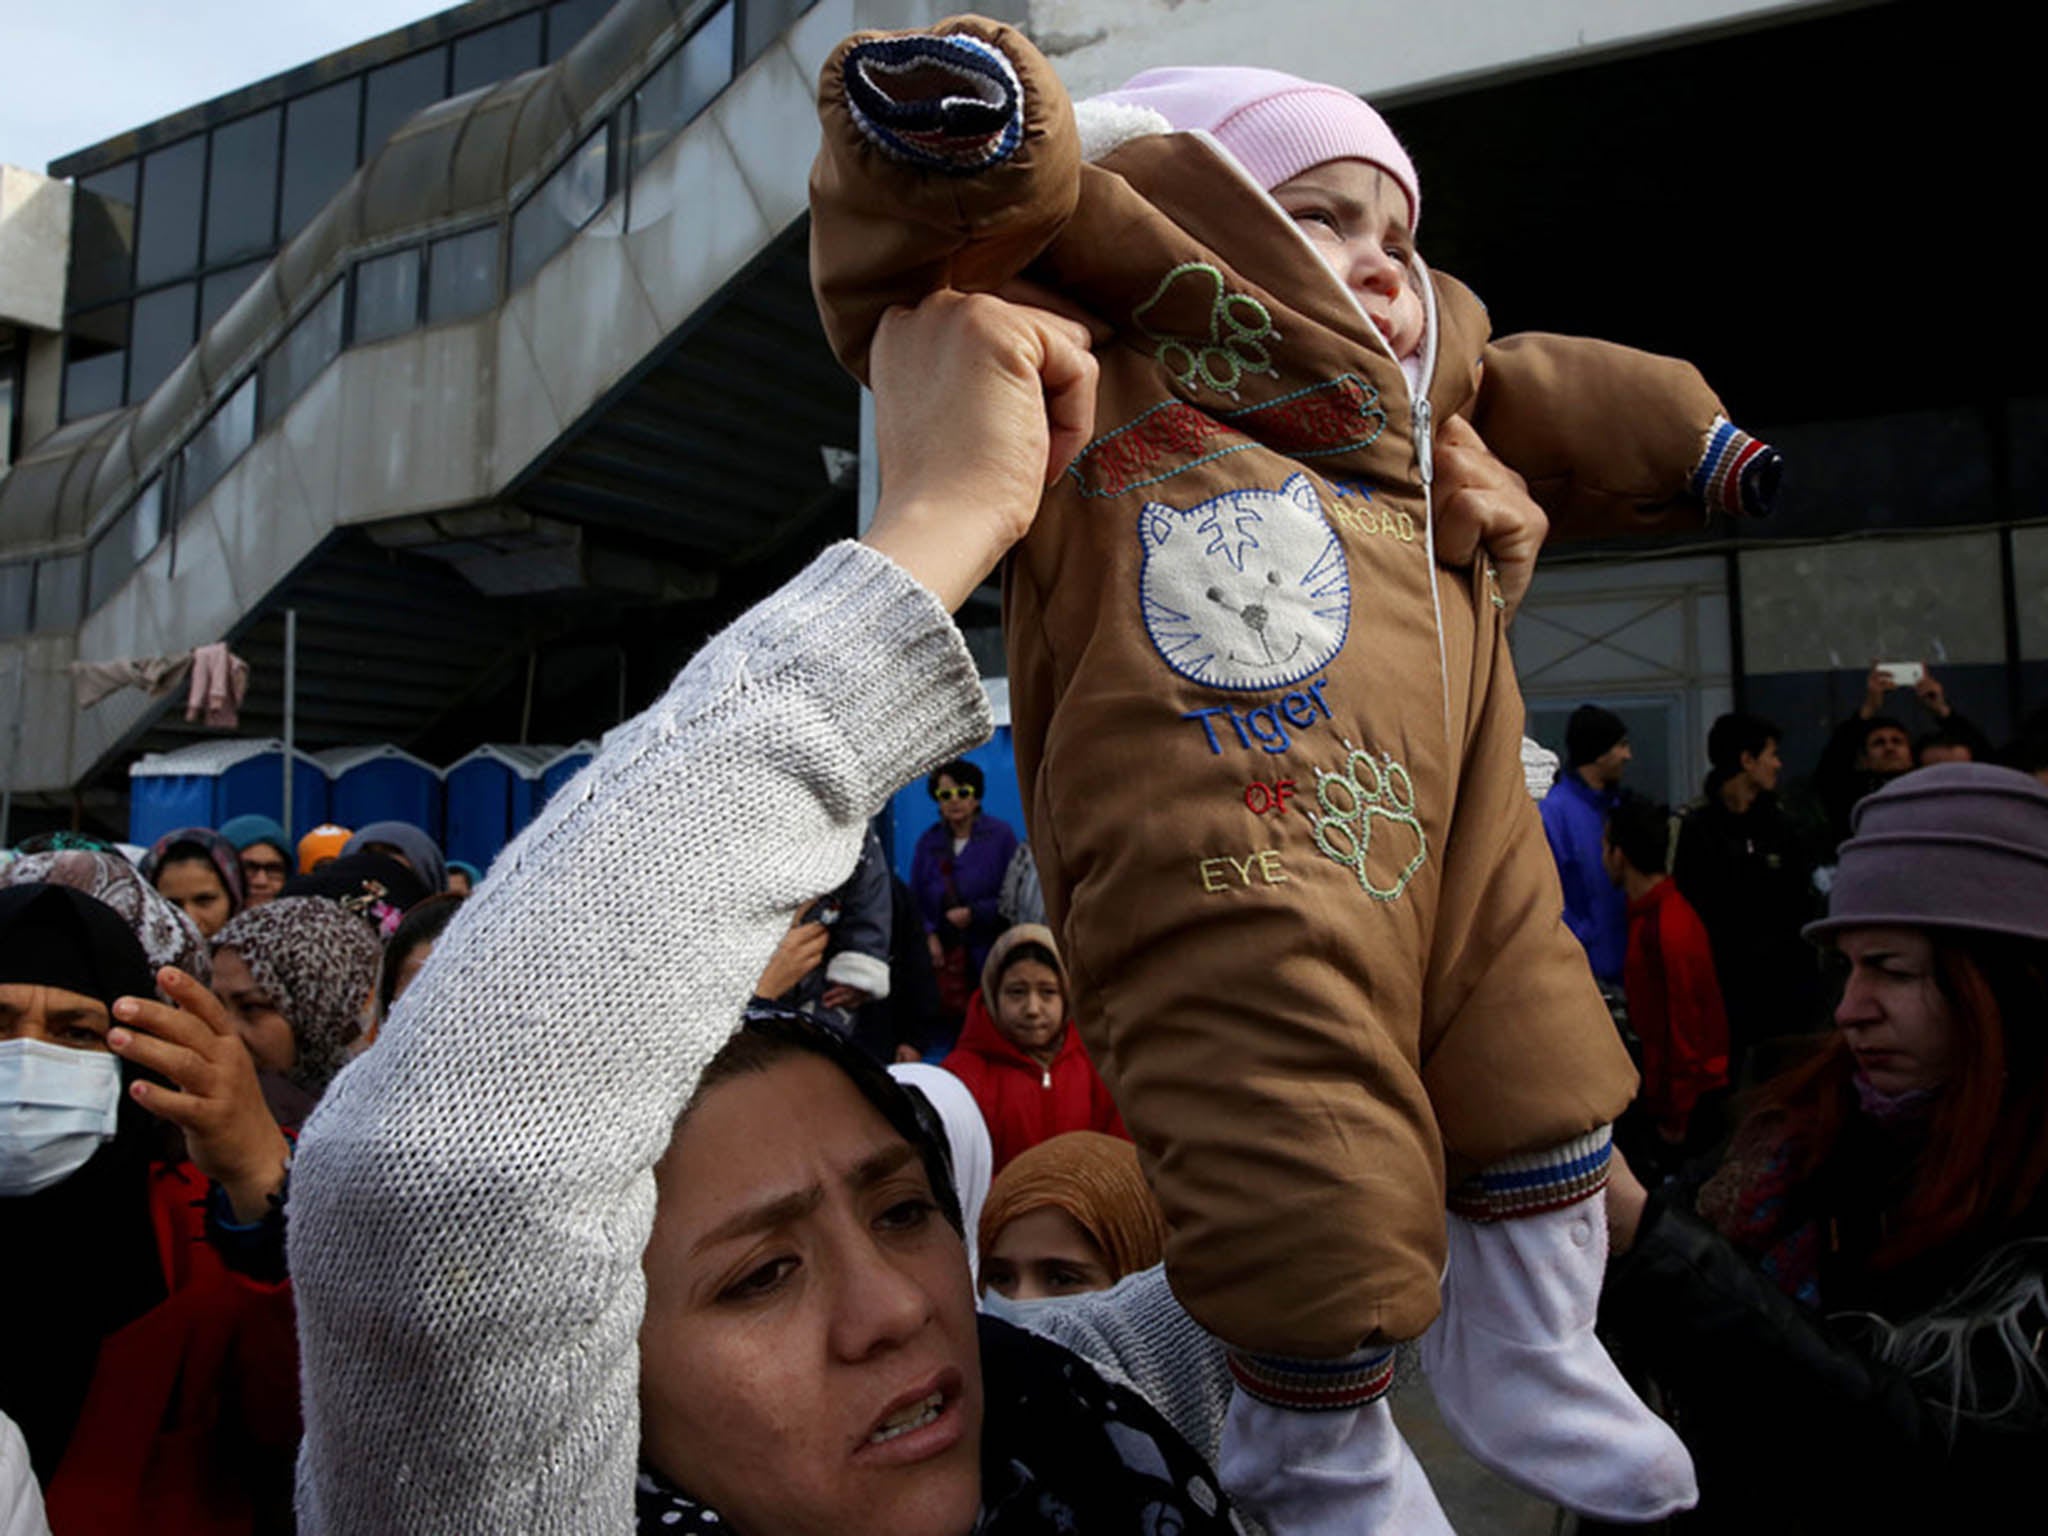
957, 876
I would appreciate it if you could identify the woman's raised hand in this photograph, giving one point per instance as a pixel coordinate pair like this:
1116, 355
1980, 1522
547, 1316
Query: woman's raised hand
217, 1101
979, 403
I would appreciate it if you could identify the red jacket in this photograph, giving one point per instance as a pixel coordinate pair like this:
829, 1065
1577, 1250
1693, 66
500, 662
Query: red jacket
191, 1425
1674, 1004
1025, 1103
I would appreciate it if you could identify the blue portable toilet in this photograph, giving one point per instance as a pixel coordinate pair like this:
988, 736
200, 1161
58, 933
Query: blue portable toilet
912, 809
208, 782
382, 783
491, 795
561, 768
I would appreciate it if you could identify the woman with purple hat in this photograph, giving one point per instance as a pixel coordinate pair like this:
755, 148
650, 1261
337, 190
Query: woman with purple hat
1852, 1327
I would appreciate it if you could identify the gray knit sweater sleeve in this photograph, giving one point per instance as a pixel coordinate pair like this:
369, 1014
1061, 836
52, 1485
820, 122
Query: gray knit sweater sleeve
470, 1201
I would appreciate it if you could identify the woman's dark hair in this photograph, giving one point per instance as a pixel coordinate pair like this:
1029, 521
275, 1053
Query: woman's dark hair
769, 1034
421, 925
1986, 1156
960, 771
1025, 951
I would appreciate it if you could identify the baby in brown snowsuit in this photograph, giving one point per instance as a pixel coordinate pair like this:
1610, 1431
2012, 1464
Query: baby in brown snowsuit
1270, 749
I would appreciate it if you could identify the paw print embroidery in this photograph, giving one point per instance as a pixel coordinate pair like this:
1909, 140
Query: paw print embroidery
1368, 790
1239, 327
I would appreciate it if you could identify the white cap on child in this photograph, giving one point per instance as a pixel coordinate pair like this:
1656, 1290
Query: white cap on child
1277, 125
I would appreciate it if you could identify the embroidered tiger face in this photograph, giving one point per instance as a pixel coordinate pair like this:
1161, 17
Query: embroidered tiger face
1248, 590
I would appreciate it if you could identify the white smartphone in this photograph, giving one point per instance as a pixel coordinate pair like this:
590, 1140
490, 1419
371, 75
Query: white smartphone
1903, 674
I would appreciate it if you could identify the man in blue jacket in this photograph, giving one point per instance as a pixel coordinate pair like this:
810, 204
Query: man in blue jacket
1574, 812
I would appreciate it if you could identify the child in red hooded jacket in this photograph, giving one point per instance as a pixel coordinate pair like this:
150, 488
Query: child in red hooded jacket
1020, 1055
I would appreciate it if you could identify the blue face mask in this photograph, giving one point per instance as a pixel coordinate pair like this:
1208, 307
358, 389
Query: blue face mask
58, 1106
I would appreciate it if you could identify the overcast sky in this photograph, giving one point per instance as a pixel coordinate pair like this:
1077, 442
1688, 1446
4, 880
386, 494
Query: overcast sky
79, 71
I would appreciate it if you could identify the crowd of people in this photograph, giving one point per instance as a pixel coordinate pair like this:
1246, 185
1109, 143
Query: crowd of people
168, 1020
352, 1191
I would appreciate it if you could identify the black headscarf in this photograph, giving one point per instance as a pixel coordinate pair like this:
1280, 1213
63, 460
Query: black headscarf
377, 888
88, 1241
1061, 1449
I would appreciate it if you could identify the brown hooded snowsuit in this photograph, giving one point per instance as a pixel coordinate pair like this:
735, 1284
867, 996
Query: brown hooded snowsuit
1270, 750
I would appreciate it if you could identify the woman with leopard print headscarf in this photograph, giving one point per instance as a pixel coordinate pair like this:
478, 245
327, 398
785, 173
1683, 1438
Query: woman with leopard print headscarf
297, 973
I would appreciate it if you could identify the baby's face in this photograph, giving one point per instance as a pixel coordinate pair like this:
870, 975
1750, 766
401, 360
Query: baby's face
1356, 216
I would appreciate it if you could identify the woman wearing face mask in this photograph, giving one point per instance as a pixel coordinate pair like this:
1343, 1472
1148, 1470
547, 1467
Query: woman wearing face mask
1853, 1335
167, 935
152, 1356
1070, 1216
1020, 1055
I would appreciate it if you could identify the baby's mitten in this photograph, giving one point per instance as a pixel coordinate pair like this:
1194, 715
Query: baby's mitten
1518, 1374
1617, 441
949, 159
1342, 1472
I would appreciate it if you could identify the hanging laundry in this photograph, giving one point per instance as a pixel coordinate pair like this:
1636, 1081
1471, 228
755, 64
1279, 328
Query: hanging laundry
93, 681
219, 681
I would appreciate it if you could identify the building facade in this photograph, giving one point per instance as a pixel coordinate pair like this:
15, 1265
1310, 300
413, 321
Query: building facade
486, 349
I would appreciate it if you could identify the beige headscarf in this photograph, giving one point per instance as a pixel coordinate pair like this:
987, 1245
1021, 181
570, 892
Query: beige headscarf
1023, 933
1093, 1178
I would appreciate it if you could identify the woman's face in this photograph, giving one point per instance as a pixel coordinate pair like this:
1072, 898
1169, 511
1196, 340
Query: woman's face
1892, 1013
53, 1016
265, 1031
809, 1361
1031, 1010
957, 804
195, 885
264, 868
1045, 1253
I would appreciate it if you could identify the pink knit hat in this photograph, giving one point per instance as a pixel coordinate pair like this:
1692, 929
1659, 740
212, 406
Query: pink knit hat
1276, 125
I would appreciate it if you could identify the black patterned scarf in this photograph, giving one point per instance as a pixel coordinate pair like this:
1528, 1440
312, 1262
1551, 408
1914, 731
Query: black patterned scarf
1062, 1451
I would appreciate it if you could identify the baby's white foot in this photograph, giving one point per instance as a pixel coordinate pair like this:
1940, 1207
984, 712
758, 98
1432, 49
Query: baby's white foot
1330, 1472
1518, 1374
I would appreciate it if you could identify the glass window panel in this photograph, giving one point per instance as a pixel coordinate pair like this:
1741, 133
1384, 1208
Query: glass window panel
565, 202
102, 237
168, 244
568, 20
764, 21
462, 275
497, 53
682, 87
241, 188
60, 592
306, 349
96, 359
393, 93
113, 557
319, 151
224, 439
218, 293
17, 582
387, 295
163, 335
10, 395
147, 529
